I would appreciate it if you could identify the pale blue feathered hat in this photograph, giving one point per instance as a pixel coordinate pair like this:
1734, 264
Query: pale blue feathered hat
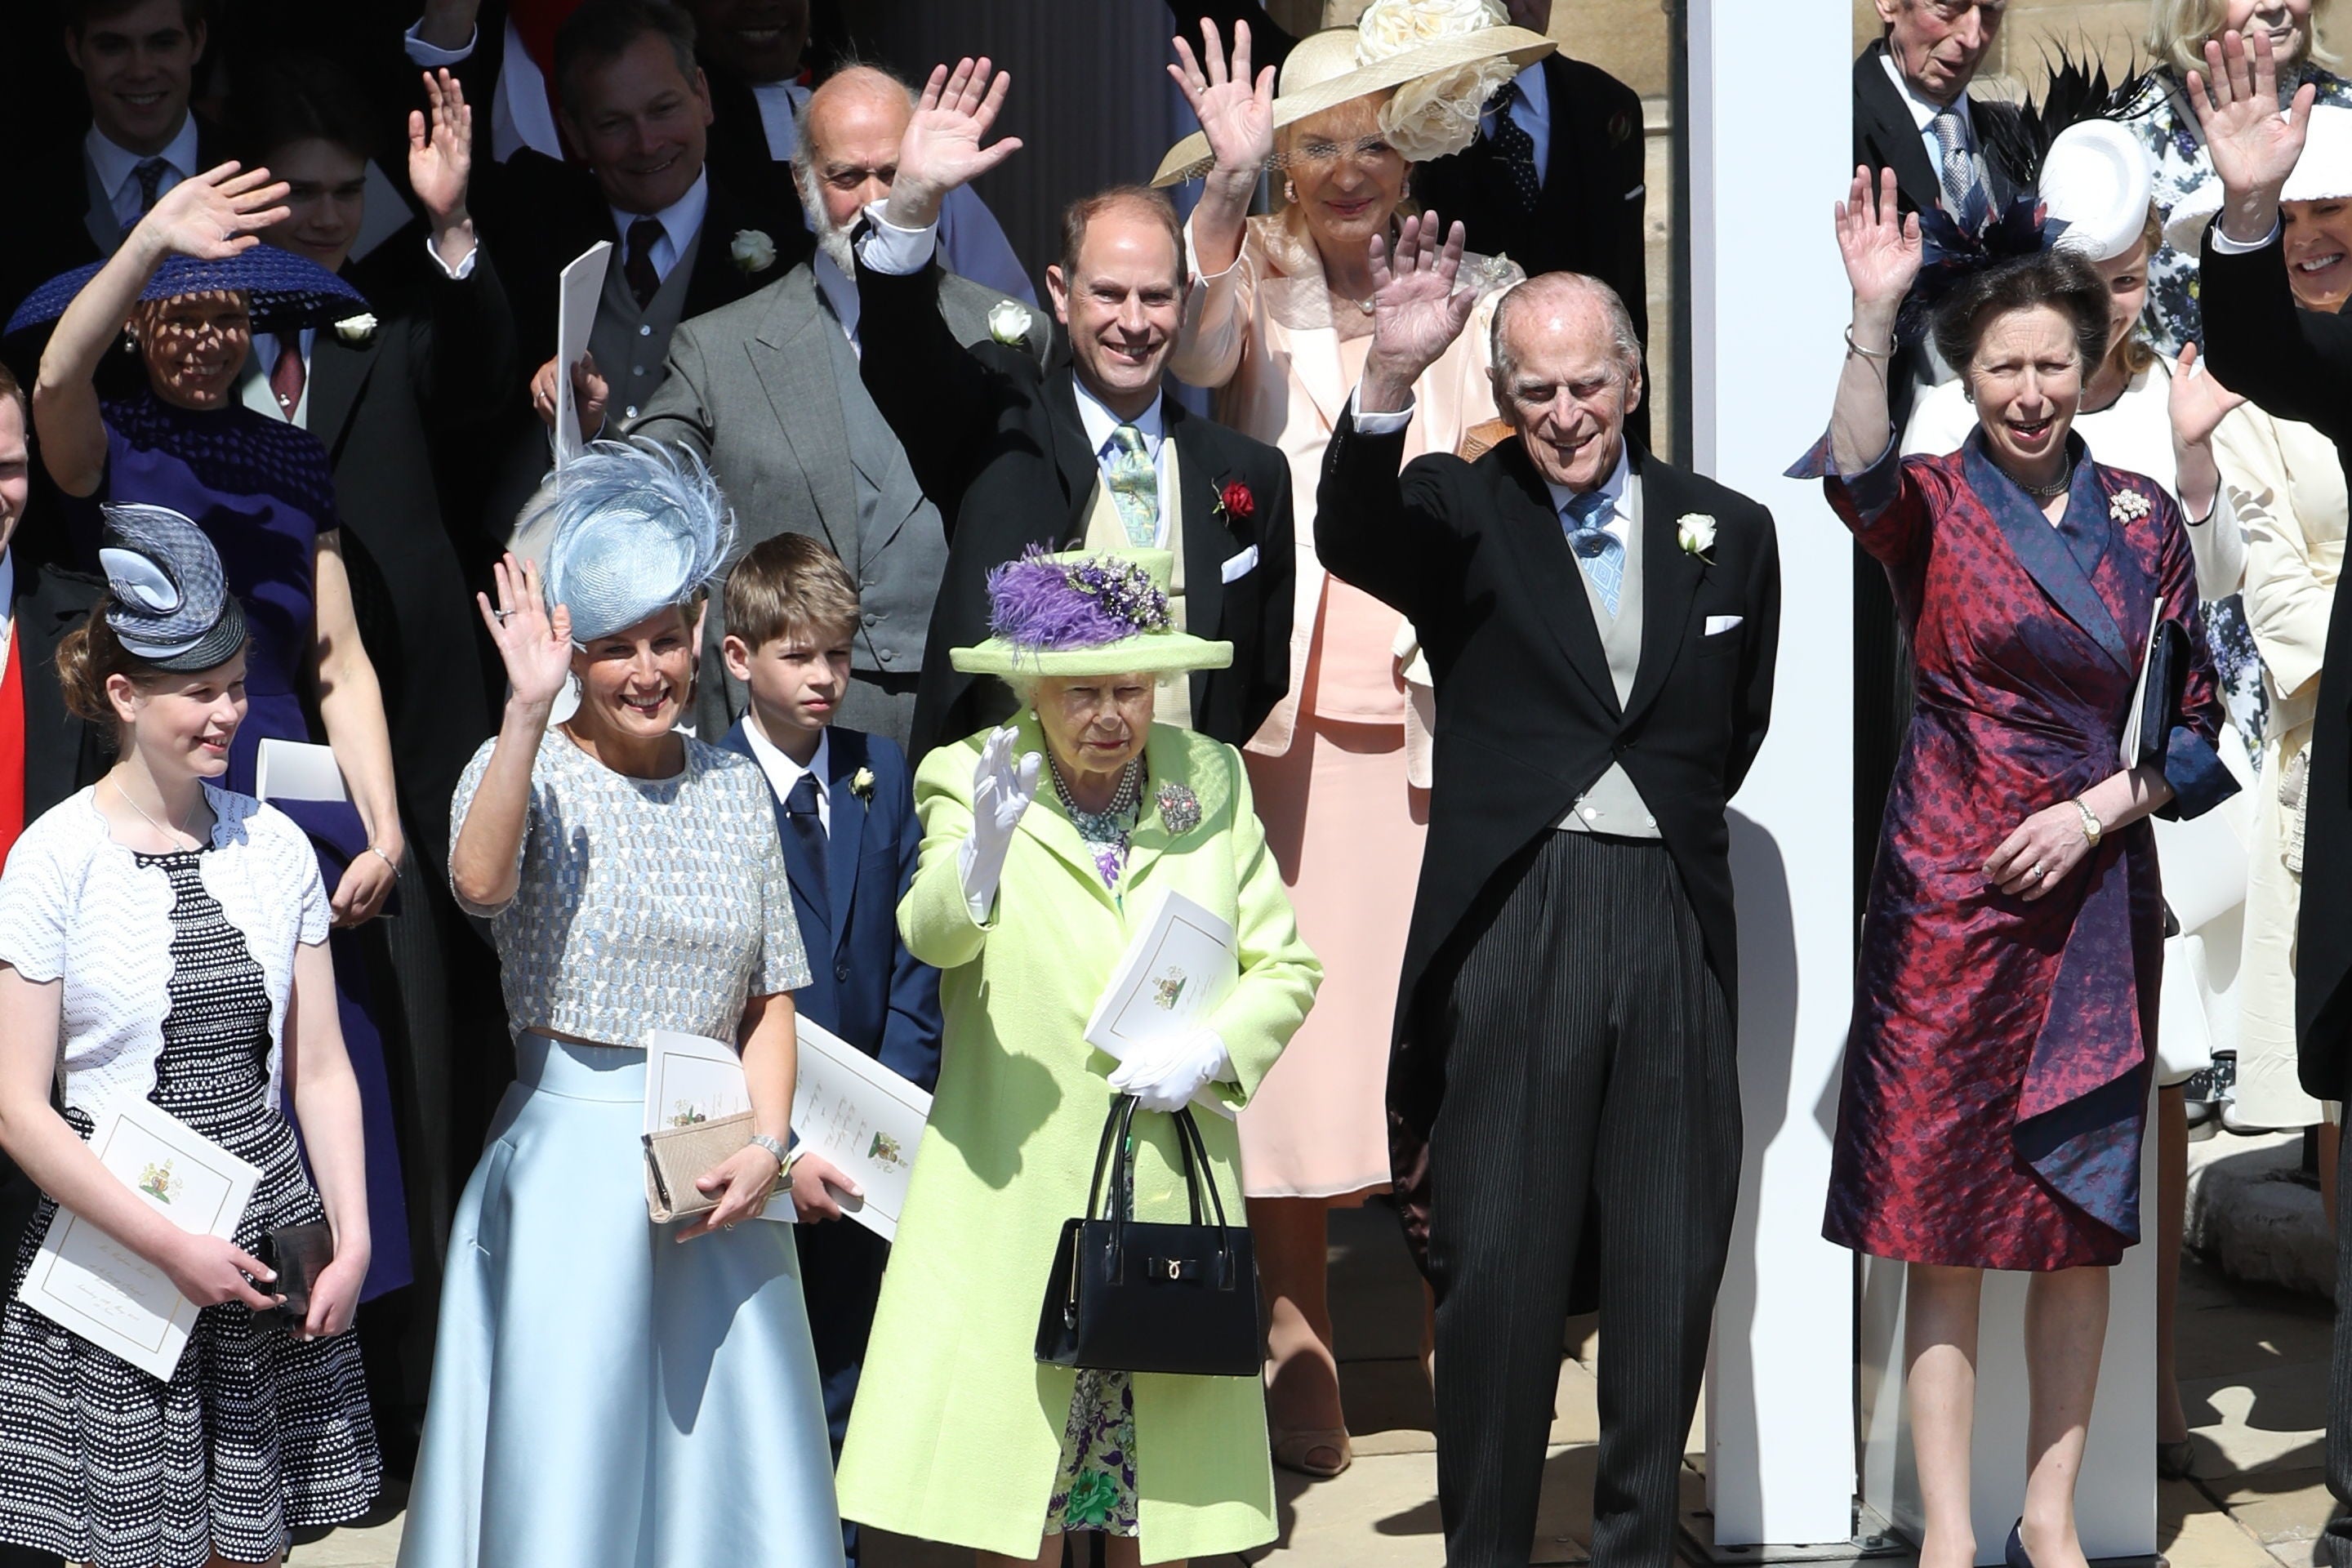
637, 527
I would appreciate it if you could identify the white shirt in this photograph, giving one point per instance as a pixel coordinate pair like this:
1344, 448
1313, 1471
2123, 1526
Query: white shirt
267, 347
1530, 111
520, 115
1101, 425
839, 291
781, 103
1924, 110
118, 168
680, 222
783, 773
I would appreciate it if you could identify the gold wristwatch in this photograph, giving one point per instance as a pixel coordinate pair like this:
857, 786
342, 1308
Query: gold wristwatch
2092, 828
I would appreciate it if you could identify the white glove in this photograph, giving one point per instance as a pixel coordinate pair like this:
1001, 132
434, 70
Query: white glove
1166, 1077
1001, 790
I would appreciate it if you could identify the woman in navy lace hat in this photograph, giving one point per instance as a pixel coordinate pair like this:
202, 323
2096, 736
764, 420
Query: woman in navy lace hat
191, 282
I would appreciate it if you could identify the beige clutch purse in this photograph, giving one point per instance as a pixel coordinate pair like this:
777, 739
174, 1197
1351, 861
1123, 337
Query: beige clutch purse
675, 1156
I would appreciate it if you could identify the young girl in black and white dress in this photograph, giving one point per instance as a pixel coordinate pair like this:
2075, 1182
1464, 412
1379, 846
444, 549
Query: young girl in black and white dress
163, 939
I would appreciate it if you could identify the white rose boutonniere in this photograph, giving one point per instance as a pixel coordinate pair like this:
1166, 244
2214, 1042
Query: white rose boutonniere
356, 329
2128, 506
861, 784
752, 250
1008, 324
1694, 532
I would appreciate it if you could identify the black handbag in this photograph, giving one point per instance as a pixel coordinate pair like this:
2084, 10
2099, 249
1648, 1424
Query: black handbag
1128, 1296
2163, 686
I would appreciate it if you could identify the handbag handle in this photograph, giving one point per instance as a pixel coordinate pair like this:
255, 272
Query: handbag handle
1194, 1155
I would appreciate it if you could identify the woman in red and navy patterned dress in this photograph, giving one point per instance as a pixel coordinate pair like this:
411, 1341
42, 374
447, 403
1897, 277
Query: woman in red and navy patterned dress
1997, 1073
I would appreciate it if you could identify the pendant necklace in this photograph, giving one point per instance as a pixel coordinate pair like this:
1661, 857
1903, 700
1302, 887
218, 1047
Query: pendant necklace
1106, 831
183, 830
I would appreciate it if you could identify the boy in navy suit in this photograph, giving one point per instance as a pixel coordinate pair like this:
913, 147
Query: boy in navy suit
845, 811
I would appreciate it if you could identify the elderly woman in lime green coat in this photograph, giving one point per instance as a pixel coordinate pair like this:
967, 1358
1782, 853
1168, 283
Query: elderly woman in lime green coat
1047, 846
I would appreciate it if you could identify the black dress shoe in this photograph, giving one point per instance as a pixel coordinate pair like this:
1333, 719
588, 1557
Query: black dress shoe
2173, 1460
2014, 1554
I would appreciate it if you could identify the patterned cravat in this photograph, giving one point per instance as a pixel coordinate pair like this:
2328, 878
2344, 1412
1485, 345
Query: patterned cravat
1601, 552
1516, 147
286, 377
150, 174
1961, 170
1135, 485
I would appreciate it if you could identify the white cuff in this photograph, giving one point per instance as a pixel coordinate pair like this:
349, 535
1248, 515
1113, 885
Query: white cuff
428, 56
1377, 424
2224, 246
895, 252
464, 270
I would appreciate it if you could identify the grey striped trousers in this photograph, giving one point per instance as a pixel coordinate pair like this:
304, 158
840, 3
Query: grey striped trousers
1590, 1073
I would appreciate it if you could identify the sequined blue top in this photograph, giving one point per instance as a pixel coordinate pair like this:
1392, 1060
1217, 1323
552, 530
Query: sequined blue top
642, 903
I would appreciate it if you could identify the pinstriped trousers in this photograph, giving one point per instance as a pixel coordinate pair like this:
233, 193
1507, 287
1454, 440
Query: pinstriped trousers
1590, 1075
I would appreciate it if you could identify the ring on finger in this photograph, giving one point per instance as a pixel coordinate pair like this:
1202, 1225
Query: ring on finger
2036, 872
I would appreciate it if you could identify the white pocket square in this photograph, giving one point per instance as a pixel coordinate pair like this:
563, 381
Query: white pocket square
1238, 566
1716, 625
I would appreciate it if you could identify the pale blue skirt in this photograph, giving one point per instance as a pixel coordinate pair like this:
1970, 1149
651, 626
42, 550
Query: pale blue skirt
603, 1396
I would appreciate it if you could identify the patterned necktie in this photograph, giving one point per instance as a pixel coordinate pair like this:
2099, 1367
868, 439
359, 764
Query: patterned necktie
807, 824
150, 174
1601, 552
1516, 147
639, 268
1961, 173
287, 376
1135, 486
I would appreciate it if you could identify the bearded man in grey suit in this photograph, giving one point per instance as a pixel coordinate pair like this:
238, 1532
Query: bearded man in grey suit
767, 391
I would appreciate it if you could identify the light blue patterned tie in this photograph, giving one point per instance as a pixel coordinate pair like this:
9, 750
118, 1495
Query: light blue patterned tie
1959, 172
1601, 552
1135, 486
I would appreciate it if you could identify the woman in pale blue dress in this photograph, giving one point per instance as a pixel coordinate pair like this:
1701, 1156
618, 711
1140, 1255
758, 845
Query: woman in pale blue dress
603, 1396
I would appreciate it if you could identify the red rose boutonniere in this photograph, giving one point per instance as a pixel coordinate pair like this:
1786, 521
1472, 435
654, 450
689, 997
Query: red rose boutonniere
1235, 501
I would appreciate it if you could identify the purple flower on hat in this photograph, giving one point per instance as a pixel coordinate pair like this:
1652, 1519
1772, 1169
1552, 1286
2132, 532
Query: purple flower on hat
1055, 606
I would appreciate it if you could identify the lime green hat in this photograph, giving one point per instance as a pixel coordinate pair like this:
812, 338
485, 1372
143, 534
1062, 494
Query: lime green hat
1076, 612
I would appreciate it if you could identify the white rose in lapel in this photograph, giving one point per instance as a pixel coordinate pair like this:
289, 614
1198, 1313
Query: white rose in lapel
752, 250
1694, 532
1008, 324
861, 784
356, 329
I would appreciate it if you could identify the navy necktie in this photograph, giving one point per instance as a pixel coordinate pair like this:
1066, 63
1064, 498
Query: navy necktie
1516, 147
808, 830
637, 265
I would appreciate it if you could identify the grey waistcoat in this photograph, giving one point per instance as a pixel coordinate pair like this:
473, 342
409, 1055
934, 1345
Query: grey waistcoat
1612, 805
632, 345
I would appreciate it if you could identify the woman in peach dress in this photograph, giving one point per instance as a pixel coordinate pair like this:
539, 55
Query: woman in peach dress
1278, 321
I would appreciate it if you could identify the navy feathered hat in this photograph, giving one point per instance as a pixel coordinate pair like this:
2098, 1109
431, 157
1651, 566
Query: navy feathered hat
284, 292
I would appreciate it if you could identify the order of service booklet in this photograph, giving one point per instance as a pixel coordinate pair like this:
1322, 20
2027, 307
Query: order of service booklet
1176, 971
85, 1281
847, 1107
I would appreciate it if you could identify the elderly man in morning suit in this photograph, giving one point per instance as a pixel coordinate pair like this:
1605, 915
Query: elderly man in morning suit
1602, 627
768, 391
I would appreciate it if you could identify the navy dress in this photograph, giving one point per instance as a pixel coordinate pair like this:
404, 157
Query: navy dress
263, 493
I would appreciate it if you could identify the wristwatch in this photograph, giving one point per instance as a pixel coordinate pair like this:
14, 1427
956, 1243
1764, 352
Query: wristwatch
2092, 827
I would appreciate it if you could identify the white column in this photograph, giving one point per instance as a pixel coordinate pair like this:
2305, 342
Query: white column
1771, 89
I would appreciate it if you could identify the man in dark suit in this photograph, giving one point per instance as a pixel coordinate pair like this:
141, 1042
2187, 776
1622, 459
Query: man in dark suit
1555, 179
636, 108
1090, 452
1912, 112
1603, 627
2293, 364
846, 813
45, 754
136, 62
767, 391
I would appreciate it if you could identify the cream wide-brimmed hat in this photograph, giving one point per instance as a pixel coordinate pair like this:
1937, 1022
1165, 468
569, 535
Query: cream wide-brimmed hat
2323, 173
2095, 182
1444, 57
1079, 613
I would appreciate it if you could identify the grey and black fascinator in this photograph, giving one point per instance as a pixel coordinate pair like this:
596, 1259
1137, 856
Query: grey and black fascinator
637, 527
167, 598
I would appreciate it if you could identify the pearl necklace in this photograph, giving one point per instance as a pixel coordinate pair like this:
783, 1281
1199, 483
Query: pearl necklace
2052, 491
1106, 831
